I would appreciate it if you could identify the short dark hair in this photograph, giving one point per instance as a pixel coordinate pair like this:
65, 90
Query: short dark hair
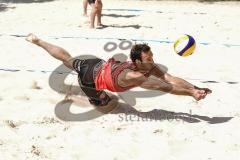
137, 50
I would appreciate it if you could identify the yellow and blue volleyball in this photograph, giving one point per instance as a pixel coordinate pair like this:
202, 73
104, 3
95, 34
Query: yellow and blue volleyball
185, 45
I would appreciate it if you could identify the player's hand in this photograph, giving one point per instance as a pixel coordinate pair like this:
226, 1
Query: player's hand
206, 90
198, 94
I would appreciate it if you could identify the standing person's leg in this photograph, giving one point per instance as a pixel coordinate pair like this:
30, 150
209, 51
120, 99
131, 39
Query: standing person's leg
85, 3
99, 13
55, 51
93, 14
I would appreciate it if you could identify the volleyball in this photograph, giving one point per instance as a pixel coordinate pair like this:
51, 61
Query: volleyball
184, 45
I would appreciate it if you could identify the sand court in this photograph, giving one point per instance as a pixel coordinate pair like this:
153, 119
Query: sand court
36, 123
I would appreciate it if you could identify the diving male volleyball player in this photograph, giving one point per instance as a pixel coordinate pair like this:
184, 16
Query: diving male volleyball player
97, 75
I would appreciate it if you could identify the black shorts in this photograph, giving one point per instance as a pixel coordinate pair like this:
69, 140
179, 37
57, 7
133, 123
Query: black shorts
91, 1
87, 70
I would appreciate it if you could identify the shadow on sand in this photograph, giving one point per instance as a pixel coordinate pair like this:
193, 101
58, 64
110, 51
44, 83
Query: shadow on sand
25, 1
125, 109
212, 1
4, 3
4, 7
127, 112
124, 26
119, 15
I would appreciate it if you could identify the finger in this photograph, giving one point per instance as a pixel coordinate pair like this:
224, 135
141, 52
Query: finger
201, 92
203, 96
208, 91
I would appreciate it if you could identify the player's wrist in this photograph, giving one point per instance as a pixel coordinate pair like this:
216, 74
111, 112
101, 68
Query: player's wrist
192, 91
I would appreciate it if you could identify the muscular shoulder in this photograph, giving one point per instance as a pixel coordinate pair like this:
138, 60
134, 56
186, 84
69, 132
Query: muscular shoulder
133, 77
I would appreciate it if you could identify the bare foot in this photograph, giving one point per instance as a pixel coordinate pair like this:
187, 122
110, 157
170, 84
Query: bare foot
68, 96
101, 26
32, 38
199, 94
78, 100
84, 15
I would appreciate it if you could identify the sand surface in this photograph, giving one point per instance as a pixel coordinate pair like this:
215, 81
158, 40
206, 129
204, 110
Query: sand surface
34, 124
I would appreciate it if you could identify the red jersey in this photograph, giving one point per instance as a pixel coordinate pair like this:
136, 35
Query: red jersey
107, 76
